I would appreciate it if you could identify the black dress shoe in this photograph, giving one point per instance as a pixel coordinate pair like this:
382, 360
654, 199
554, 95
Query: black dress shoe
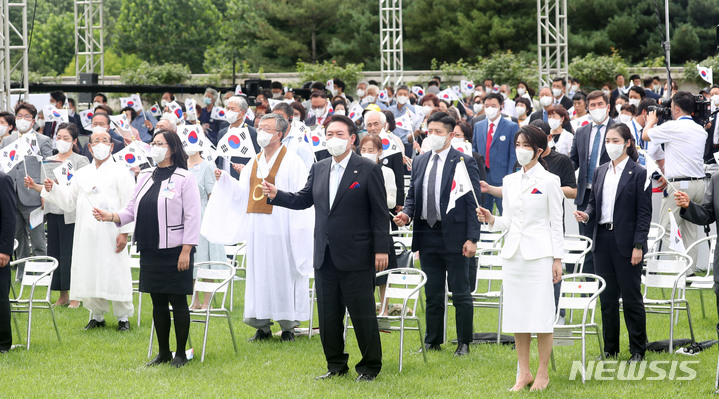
331, 374
179, 361
432, 347
608, 356
287, 336
94, 324
462, 349
260, 335
365, 377
4, 351
123, 325
159, 359
636, 358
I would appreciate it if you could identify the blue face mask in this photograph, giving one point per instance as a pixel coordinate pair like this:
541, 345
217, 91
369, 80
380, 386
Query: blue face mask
207, 100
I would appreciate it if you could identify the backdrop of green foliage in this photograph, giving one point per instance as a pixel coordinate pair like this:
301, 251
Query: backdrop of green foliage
691, 73
165, 74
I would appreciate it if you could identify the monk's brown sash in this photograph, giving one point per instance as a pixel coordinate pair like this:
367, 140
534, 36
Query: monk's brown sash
257, 202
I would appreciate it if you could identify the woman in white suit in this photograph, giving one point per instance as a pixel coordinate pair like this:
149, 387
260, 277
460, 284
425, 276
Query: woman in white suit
532, 201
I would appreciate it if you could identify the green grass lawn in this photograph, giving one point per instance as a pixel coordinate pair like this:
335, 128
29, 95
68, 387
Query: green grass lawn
105, 363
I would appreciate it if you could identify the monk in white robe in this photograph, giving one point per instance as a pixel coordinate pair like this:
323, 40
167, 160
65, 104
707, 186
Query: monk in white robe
100, 263
279, 240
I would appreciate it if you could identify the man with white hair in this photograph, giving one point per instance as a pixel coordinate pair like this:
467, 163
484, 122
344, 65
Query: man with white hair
166, 124
376, 123
100, 263
236, 111
361, 91
372, 98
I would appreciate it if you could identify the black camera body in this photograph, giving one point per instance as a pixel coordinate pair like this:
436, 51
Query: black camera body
700, 114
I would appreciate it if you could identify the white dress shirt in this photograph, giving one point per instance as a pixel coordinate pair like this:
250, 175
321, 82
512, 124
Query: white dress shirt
336, 176
683, 141
609, 193
601, 141
437, 183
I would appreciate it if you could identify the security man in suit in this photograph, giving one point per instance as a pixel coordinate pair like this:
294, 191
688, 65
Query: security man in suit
352, 243
446, 240
587, 154
7, 241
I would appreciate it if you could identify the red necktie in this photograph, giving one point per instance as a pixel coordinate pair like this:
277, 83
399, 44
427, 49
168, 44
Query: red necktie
490, 134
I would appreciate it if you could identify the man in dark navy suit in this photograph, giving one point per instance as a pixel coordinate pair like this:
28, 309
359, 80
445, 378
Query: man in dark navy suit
7, 241
446, 239
352, 242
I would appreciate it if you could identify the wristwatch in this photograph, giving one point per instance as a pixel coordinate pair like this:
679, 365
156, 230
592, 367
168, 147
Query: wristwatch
638, 246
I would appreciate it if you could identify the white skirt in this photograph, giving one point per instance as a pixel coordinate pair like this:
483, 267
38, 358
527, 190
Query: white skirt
528, 300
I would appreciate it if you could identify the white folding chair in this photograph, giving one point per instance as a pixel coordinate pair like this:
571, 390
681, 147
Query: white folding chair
654, 239
211, 282
667, 270
135, 269
576, 248
37, 272
490, 239
488, 291
234, 253
703, 280
403, 235
578, 294
404, 284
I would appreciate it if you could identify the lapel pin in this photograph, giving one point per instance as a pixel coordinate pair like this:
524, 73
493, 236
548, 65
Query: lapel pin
630, 172
355, 171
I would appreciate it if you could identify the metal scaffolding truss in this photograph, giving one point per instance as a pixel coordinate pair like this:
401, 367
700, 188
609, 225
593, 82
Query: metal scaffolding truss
553, 57
89, 47
390, 31
13, 38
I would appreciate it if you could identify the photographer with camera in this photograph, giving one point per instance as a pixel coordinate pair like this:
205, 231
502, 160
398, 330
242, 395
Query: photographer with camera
683, 141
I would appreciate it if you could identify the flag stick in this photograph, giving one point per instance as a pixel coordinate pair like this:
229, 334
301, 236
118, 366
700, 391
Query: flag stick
24, 164
658, 170
471, 186
571, 204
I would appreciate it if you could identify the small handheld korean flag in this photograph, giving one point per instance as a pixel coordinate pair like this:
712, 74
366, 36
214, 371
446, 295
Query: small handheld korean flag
355, 111
191, 107
218, 113
447, 95
236, 143
383, 96
64, 173
462, 145
53, 114
250, 114
131, 155
390, 146
461, 185
273, 102
457, 92
706, 74
650, 164
121, 121
418, 91
404, 122
319, 142
86, 118
238, 90
467, 86
330, 85
155, 110
675, 235
133, 101
175, 109
192, 137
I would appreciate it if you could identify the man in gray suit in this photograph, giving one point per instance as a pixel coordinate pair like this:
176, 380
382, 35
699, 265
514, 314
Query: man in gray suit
28, 200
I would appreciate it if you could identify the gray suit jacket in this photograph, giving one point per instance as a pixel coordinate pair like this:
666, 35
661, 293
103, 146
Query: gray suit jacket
29, 198
706, 213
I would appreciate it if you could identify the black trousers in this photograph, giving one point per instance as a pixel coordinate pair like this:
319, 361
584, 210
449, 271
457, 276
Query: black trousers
623, 279
5, 329
59, 246
353, 290
587, 230
442, 265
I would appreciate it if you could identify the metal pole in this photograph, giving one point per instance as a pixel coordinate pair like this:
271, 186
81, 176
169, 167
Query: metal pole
667, 51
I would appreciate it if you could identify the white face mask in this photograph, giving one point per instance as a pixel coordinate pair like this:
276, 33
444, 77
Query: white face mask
491, 112
626, 119
504, 95
163, 103
477, 107
402, 100
656, 87
545, 101
618, 107
436, 142
614, 150
231, 116
63, 146
556, 92
371, 157
318, 111
158, 153
337, 146
554, 123
634, 101
575, 87
98, 129
22, 125
340, 112
715, 99
41, 122
427, 109
191, 152
521, 91
3, 129
370, 99
524, 156
521, 110
264, 138
100, 151
334, 92
606, 92
360, 93
277, 96
598, 115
